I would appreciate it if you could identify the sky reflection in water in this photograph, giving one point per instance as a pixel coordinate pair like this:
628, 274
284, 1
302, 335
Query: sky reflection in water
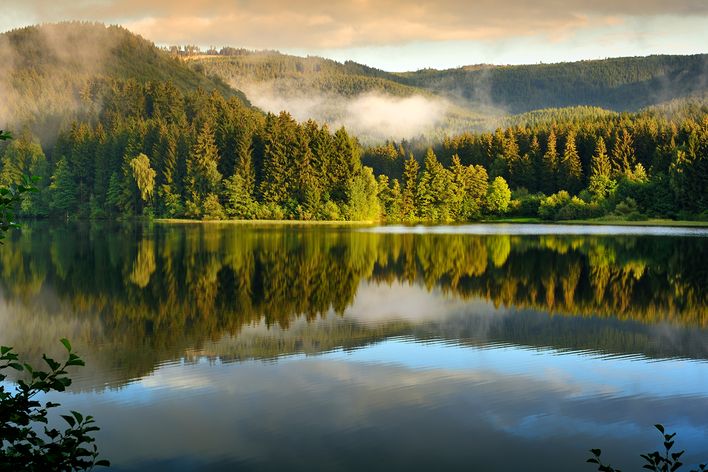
517, 351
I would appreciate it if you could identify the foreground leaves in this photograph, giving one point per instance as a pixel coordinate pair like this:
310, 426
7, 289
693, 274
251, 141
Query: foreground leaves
27, 443
654, 461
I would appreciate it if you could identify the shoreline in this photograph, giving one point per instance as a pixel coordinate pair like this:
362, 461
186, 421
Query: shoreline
520, 220
653, 222
266, 222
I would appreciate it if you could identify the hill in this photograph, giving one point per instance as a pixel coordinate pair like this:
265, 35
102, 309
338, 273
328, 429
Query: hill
54, 73
372, 103
620, 84
433, 103
305, 75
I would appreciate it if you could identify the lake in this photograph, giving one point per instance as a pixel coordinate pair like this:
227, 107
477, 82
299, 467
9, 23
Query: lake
308, 347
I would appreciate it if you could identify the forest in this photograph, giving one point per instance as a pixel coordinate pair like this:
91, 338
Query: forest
156, 151
621, 84
142, 133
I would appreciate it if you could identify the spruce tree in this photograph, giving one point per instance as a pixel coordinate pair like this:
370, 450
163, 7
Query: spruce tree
623, 157
63, 189
275, 184
601, 182
536, 160
203, 178
571, 171
549, 169
410, 185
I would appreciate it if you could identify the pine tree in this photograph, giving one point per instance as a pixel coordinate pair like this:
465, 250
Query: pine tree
425, 193
63, 189
394, 213
113, 194
383, 192
623, 158
203, 178
536, 160
345, 163
275, 185
512, 158
601, 182
410, 185
549, 169
571, 171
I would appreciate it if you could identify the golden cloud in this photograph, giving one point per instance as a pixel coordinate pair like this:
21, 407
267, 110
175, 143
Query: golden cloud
334, 24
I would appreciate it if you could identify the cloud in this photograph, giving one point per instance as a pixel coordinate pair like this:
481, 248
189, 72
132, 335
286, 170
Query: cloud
338, 24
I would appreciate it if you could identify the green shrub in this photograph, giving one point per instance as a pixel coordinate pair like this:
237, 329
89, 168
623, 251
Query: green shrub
23, 446
654, 461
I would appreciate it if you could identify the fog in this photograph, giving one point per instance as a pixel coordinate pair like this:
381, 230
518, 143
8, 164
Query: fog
43, 70
372, 116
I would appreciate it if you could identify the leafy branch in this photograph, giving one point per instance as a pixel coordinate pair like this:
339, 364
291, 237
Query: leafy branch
655, 461
23, 447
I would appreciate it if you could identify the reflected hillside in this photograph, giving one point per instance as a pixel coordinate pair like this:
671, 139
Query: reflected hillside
139, 295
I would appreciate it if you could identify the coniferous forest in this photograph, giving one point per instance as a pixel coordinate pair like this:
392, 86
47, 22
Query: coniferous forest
158, 148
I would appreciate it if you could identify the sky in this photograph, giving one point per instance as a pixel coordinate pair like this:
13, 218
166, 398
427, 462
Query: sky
399, 35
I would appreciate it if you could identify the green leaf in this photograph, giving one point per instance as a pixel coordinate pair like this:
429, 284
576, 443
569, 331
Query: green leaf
54, 365
79, 417
66, 344
70, 420
660, 427
596, 452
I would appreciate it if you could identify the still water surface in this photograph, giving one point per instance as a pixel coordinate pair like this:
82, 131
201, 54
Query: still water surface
250, 347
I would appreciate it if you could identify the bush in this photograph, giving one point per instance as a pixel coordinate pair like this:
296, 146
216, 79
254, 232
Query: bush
560, 206
528, 204
22, 446
269, 211
330, 211
550, 205
655, 461
212, 209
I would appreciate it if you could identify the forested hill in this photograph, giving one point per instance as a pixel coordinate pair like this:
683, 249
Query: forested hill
619, 84
54, 73
371, 103
303, 75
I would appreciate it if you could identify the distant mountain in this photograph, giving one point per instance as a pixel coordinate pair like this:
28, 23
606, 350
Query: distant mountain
449, 102
620, 84
294, 75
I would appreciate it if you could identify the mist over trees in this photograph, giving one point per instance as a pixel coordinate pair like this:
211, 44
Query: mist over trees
154, 150
151, 136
